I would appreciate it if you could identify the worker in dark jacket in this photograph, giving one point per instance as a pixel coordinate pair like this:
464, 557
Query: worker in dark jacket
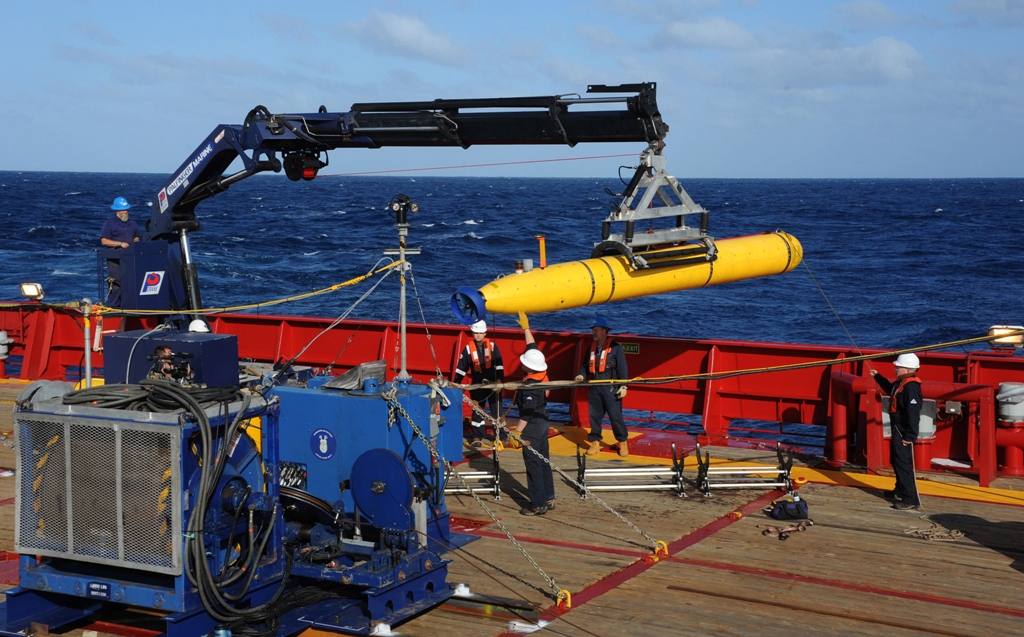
605, 361
118, 232
533, 427
481, 359
905, 403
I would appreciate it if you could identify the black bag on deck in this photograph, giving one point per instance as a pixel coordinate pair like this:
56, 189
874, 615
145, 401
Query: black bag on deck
795, 509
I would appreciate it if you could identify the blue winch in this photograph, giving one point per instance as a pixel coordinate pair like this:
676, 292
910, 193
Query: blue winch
306, 506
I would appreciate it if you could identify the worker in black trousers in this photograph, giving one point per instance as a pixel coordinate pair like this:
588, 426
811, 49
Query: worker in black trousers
606, 362
905, 403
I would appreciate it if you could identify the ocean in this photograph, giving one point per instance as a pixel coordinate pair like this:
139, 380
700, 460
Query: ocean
903, 262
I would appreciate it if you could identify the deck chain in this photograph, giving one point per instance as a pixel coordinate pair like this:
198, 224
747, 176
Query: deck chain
394, 407
476, 408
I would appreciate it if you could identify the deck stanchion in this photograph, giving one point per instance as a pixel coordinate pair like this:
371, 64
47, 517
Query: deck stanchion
86, 327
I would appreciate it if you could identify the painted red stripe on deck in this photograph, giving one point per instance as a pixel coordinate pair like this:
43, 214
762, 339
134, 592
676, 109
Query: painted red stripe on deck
120, 629
863, 588
627, 573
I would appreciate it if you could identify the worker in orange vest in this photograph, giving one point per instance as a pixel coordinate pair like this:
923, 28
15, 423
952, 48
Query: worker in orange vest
905, 403
605, 361
481, 361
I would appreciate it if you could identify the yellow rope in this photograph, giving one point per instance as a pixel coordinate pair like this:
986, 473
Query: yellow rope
103, 309
661, 380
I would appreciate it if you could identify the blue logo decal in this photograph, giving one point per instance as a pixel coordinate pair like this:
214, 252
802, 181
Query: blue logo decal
323, 444
152, 283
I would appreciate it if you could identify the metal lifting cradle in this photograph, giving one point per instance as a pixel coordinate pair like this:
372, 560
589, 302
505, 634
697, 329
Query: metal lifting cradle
743, 475
478, 481
635, 478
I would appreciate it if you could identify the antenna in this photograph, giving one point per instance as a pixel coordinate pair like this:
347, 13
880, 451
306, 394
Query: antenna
400, 207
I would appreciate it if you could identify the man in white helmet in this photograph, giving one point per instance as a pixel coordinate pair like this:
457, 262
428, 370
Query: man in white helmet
534, 428
905, 402
481, 359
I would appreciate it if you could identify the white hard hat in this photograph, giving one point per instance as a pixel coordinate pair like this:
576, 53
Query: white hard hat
908, 361
480, 327
534, 359
199, 325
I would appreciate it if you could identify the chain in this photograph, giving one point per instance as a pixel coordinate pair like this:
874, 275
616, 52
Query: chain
654, 543
394, 406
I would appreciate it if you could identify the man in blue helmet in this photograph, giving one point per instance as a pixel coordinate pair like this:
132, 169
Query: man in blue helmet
605, 362
118, 232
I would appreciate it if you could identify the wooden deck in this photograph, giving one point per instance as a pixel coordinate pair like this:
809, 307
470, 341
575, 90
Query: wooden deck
855, 572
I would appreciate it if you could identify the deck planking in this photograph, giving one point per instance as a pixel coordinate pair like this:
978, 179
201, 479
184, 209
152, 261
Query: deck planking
854, 572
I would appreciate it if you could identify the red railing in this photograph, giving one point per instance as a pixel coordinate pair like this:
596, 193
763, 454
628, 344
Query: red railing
840, 397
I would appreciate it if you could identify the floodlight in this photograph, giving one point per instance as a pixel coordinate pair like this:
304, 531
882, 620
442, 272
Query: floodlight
1010, 336
32, 291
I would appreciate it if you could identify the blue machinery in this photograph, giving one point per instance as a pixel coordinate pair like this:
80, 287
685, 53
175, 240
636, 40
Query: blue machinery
330, 514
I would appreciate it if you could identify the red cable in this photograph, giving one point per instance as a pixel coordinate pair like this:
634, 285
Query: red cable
504, 163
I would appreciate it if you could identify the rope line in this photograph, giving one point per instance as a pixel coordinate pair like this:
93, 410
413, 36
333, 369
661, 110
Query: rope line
390, 397
103, 309
487, 165
515, 435
423, 317
831, 307
662, 380
934, 533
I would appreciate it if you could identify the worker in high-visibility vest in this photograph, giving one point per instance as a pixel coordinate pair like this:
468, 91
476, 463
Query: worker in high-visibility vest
606, 361
481, 361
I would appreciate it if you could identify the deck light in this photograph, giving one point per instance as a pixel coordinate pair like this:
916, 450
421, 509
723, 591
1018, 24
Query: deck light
1013, 340
32, 291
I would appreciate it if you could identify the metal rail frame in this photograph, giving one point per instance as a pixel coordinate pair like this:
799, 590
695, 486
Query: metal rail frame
657, 477
742, 475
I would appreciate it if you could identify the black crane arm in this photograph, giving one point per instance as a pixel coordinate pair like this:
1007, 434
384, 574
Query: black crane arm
299, 143
301, 139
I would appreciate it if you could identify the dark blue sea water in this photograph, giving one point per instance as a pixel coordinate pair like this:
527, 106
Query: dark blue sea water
904, 262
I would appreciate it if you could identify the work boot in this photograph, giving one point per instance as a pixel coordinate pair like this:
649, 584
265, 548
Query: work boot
595, 448
477, 443
623, 448
891, 495
906, 506
551, 505
528, 510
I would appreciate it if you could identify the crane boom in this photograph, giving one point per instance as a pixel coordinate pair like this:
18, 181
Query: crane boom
298, 143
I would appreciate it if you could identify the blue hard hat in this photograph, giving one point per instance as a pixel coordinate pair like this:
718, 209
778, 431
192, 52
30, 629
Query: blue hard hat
600, 321
120, 204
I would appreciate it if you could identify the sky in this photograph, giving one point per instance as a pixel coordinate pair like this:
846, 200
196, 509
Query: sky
749, 88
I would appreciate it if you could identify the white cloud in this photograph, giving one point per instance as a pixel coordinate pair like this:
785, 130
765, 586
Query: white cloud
872, 14
409, 37
600, 37
716, 33
892, 59
288, 27
96, 33
1001, 13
